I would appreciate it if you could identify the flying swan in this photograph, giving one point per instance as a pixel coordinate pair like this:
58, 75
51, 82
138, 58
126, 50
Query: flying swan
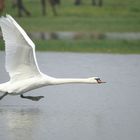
21, 64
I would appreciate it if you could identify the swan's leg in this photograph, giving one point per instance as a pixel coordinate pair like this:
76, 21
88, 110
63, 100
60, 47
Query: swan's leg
33, 98
5, 94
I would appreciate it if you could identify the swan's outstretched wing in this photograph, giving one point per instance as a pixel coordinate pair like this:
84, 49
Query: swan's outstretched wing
20, 50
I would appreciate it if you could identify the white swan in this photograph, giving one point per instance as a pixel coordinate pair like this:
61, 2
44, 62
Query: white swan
22, 66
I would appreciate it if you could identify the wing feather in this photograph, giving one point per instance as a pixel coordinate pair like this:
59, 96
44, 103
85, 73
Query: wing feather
20, 50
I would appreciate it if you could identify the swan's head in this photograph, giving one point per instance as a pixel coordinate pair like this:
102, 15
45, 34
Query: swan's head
96, 80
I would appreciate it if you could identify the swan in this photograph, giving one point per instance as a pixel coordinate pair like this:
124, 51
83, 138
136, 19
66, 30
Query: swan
22, 66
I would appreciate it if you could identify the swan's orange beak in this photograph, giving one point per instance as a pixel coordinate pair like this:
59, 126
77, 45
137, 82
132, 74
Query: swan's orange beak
99, 81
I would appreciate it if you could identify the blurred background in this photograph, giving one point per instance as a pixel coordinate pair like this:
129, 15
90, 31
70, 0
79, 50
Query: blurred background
108, 30
78, 25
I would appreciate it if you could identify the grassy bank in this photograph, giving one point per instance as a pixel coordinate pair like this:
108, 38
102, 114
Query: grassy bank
114, 16
91, 46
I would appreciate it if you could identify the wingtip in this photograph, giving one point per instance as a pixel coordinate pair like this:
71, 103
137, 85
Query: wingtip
2, 17
7, 15
1, 20
6, 20
10, 18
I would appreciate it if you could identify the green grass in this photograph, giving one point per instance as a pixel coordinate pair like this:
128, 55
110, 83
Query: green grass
91, 46
84, 24
114, 16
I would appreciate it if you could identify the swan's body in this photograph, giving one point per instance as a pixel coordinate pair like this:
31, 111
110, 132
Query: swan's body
22, 66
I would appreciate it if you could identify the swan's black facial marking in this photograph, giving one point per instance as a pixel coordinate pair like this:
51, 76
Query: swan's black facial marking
99, 81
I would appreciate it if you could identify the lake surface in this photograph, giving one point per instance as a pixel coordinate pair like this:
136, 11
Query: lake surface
109, 111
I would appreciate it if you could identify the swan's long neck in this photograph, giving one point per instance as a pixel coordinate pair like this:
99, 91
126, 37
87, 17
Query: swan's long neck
58, 81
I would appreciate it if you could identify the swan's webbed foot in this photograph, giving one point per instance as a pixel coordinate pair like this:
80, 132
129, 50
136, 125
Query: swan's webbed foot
33, 98
5, 94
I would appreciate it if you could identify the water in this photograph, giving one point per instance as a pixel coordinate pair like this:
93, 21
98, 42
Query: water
70, 112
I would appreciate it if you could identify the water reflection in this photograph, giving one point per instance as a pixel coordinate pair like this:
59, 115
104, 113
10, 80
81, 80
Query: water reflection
20, 123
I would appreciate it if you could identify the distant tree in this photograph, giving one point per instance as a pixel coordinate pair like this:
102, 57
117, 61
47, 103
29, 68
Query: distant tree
52, 3
77, 2
94, 2
43, 5
58, 2
100, 2
97, 2
2, 5
21, 8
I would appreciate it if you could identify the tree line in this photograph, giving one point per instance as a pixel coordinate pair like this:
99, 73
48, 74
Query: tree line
23, 10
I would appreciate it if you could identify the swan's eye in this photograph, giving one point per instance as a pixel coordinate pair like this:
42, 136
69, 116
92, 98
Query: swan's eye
98, 80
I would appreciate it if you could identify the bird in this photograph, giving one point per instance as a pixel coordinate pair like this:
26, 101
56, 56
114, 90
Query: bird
21, 64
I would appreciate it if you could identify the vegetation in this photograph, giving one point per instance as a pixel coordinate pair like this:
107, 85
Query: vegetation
91, 46
120, 16
113, 16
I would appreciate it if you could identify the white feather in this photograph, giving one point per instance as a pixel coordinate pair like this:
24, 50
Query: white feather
20, 50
